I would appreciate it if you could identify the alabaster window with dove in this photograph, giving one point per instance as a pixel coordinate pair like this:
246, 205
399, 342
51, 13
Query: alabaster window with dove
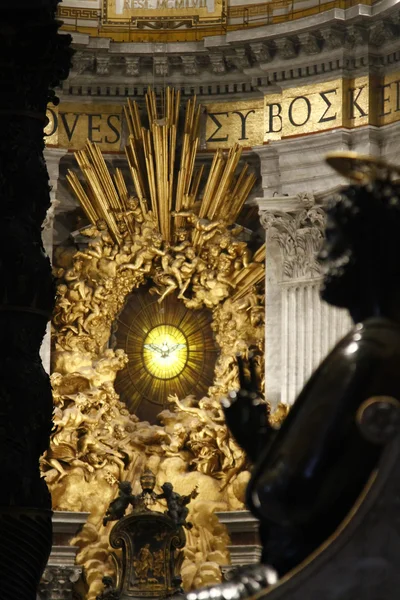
165, 351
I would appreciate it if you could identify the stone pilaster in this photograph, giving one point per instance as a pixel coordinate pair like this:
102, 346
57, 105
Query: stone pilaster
35, 58
52, 157
298, 163
61, 572
300, 329
245, 546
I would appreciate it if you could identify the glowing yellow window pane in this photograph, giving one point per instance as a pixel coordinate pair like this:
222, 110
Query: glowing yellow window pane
165, 352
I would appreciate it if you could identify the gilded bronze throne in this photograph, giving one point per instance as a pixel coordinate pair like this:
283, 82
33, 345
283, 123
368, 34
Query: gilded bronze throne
150, 557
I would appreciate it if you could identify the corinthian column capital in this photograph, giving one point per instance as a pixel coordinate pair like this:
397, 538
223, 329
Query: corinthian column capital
296, 225
58, 582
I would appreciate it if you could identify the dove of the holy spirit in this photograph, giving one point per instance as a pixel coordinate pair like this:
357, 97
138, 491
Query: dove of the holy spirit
122, 5
164, 349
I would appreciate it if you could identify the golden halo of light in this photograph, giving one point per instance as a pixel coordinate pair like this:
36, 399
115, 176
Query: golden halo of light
142, 385
165, 351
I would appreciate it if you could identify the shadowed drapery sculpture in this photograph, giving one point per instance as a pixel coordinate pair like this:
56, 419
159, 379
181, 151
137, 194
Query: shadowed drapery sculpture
308, 475
34, 59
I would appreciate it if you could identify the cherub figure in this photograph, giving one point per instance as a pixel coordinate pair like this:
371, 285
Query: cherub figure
204, 227
170, 278
213, 255
108, 365
189, 269
208, 410
98, 232
224, 268
75, 279
117, 508
63, 449
98, 308
123, 231
109, 592
182, 235
238, 252
216, 287
135, 211
145, 256
125, 254
177, 505
176, 440
63, 305
90, 445
73, 417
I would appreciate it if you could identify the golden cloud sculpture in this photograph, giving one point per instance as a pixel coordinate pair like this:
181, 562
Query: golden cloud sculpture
155, 230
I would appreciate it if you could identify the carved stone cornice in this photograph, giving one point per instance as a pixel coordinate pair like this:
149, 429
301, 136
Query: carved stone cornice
287, 47
356, 36
333, 37
84, 62
382, 33
102, 65
240, 58
190, 65
161, 66
298, 230
132, 66
217, 61
312, 45
261, 52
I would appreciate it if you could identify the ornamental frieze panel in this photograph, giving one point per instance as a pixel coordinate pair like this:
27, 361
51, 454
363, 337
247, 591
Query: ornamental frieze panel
305, 109
148, 12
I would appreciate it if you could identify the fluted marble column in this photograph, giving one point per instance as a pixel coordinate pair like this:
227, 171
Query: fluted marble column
300, 329
35, 58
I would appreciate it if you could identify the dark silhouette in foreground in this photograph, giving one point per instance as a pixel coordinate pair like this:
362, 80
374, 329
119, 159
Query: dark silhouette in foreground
308, 475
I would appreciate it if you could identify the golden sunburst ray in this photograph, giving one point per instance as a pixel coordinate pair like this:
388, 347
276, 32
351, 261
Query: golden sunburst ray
165, 181
252, 275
